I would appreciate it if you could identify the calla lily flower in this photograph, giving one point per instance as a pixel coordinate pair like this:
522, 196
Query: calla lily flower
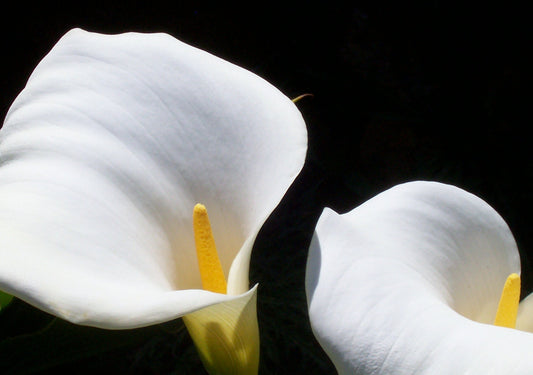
420, 279
105, 154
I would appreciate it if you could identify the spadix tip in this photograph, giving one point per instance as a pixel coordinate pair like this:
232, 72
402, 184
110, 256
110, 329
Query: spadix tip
509, 300
200, 209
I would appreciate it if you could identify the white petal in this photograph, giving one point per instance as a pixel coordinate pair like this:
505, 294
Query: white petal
103, 156
524, 320
393, 285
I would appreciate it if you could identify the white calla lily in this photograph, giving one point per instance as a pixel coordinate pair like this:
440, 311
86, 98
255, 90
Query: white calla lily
410, 282
105, 153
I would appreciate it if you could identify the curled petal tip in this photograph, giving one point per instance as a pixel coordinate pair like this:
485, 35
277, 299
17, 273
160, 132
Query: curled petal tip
300, 97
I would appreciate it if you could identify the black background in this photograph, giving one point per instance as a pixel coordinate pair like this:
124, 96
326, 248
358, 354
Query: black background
401, 91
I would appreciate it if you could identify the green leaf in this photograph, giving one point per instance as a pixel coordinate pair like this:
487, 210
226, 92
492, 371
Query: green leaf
5, 299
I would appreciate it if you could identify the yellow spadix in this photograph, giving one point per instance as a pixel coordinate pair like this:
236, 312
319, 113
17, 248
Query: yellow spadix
508, 306
210, 268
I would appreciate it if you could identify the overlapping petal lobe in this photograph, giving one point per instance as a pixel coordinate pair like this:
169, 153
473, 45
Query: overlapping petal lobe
103, 156
401, 283
228, 344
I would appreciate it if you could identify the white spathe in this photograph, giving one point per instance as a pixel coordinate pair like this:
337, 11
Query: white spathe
103, 156
409, 283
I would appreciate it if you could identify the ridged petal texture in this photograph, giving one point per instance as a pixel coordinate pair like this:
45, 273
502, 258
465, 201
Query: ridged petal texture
103, 156
409, 283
